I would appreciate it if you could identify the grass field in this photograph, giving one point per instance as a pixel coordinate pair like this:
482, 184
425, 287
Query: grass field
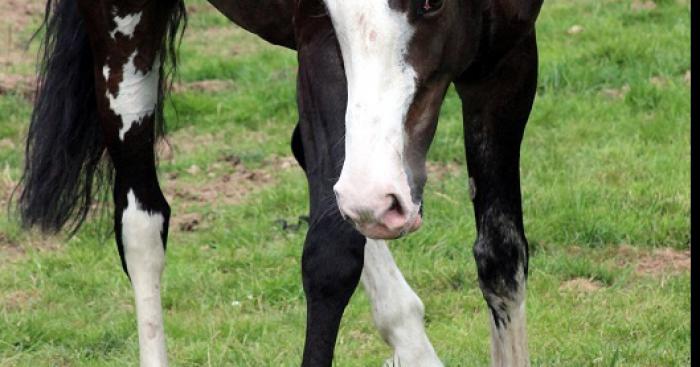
606, 196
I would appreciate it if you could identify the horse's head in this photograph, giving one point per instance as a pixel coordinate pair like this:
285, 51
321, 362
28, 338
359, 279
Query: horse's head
399, 56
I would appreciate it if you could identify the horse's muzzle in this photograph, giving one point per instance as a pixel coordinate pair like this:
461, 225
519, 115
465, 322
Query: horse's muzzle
385, 218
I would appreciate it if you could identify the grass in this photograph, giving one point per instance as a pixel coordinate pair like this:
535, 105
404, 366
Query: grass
605, 180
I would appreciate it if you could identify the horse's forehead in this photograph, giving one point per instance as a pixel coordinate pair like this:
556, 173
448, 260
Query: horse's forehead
372, 23
364, 11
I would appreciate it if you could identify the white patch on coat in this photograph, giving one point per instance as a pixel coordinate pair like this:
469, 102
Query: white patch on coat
509, 338
396, 309
126, 25
145, 261
374, 40
137, 95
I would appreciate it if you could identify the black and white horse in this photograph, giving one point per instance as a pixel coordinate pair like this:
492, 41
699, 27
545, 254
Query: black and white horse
372, 74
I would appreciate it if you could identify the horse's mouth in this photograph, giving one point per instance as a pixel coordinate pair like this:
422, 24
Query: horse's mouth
382, 231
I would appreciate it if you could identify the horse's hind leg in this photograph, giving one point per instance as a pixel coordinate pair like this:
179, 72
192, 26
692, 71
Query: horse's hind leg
127, 39
496, 109
396, 309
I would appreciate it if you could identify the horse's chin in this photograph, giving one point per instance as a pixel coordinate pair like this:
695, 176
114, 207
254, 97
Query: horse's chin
378, 231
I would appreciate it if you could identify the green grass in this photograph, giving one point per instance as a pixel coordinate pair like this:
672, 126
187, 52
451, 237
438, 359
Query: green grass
605, 184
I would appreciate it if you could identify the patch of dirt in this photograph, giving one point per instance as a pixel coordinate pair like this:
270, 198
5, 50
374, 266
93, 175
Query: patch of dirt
439, 170
7, 186
196, 8
581, 285
664, 261
164, 150
686, 77
638, 5
655, 263
23, 85
7, 144
9, 251
210, 86
225, 182
187, 222
625, 255
574, 250
20, 13
17, 17
19, 300
12, 250
616, 93
658, 81
184, 142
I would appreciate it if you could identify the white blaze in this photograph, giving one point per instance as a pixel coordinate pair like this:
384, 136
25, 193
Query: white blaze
374, 40
137, 95
145, 261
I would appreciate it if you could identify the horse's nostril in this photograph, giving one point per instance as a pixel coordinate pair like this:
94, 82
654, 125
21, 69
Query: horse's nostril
395, 215
395, 204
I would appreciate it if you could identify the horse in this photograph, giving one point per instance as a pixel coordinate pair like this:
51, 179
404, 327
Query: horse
372, 75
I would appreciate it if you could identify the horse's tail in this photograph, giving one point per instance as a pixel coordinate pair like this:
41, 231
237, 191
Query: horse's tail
64, 169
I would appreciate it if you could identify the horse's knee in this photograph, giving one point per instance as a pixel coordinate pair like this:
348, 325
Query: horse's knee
142, 234
142, 217
392, 319
332, 260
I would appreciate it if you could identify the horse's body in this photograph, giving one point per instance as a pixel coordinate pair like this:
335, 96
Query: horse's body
102, 88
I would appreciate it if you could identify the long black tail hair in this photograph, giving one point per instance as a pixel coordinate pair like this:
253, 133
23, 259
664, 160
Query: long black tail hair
64, 168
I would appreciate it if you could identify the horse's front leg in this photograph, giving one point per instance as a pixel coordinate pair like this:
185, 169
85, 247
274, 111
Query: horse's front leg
331, 267
396, 309
127, 38
333, 252
496, 109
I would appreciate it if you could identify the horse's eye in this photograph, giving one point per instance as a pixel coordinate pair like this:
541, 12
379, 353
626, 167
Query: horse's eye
428, 6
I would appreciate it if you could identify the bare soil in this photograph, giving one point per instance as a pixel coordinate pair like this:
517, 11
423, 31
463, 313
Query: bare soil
13, 250
208, 86
657, 262
18, 300
225, 182
23, 85
439, 170
616, 93
638, 5
581, 285
664, 261
16, 23
18, 14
